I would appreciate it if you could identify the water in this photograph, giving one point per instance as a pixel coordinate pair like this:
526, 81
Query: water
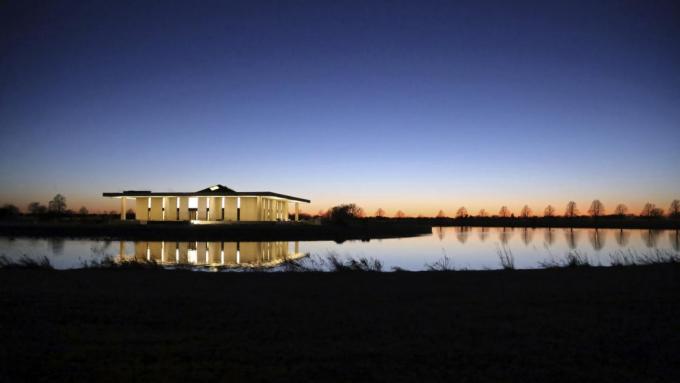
474, 248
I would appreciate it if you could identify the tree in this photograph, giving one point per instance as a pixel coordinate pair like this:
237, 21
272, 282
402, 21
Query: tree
8, 210
596, 209
674, 211
36, 208
83, 211
380, 213
549, 211
57, 205
621, 210
345, 213
504, 212
462, 212
647, 210
482, 213
525, 212
571, 210
399, 214
441, 214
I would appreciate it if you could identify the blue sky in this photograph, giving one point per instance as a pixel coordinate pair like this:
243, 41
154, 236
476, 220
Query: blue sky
417, 106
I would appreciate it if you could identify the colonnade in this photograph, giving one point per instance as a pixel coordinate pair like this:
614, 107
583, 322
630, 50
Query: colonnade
176, 208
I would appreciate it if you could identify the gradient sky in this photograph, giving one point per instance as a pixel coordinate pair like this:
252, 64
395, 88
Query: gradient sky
417, 106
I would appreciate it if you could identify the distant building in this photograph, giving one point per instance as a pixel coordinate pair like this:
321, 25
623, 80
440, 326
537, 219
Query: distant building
213, 204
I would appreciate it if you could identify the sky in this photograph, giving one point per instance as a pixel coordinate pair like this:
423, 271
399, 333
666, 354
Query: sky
417, 105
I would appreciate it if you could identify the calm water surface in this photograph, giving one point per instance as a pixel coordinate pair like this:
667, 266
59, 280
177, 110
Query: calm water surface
467, 248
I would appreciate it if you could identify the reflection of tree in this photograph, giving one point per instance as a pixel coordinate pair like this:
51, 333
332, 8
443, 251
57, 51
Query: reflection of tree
549, 236
674, 238
527, 236
462, 234
504, 235
571, 237
57, 245
439, 231
597, 239
622, 237
650, 237
483, 233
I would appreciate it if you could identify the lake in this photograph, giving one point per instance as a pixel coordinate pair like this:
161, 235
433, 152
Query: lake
474, 248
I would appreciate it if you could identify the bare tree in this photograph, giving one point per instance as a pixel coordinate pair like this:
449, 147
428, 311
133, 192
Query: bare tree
380, 213
549, 211
462, 212
400, 214
83, 211
57, 204
441, 214
525, 212
621, 210
596, 209
674, 210
504, 212
345, 213
647, 210
36, 208
482, 213
571, 210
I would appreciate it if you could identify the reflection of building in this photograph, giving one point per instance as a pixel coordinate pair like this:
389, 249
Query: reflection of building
213, 253
216, 203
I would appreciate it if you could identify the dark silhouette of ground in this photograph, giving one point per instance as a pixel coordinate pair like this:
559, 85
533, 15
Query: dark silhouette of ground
617, 324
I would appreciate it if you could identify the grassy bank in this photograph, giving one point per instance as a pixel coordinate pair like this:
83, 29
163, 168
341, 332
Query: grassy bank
581, 324
267, 231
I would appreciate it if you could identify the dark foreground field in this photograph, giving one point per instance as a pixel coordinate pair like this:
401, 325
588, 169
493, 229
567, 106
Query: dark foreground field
589, 324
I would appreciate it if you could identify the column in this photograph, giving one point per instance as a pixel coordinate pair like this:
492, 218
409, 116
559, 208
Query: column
202, 213
122, 208
230, 209
156, 213
183, 208
297, 211
142, 209
215, 208
171, 208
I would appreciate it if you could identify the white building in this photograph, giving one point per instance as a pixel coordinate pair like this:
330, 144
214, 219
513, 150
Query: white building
213, 204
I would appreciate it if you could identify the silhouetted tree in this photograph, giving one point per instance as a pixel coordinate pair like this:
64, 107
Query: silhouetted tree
345, 213
83, 211
57, 205
36, 208
399, 214
525, 212
441, 214
571, 210
549, 211
8, 211
596, 209
504, 212
674, 210
650, 210
380, 213
482, 213
462, 212
621, 210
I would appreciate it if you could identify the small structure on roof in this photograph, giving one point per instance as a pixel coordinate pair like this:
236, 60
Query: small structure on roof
212, 204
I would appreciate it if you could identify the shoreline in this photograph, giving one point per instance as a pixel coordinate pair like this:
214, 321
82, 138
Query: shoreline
582, 324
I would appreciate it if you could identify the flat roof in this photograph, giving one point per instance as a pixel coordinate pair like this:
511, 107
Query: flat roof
213, 191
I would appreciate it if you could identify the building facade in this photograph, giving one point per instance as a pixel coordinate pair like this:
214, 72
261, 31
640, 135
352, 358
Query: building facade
211, 205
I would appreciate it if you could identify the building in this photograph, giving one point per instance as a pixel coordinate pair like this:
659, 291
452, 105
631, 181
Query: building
214, 204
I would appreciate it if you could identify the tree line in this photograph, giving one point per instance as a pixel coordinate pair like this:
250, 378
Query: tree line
55, 207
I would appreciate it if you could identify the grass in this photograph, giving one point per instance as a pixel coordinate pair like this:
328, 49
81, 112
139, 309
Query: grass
25, 262
506, 258
635, 258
